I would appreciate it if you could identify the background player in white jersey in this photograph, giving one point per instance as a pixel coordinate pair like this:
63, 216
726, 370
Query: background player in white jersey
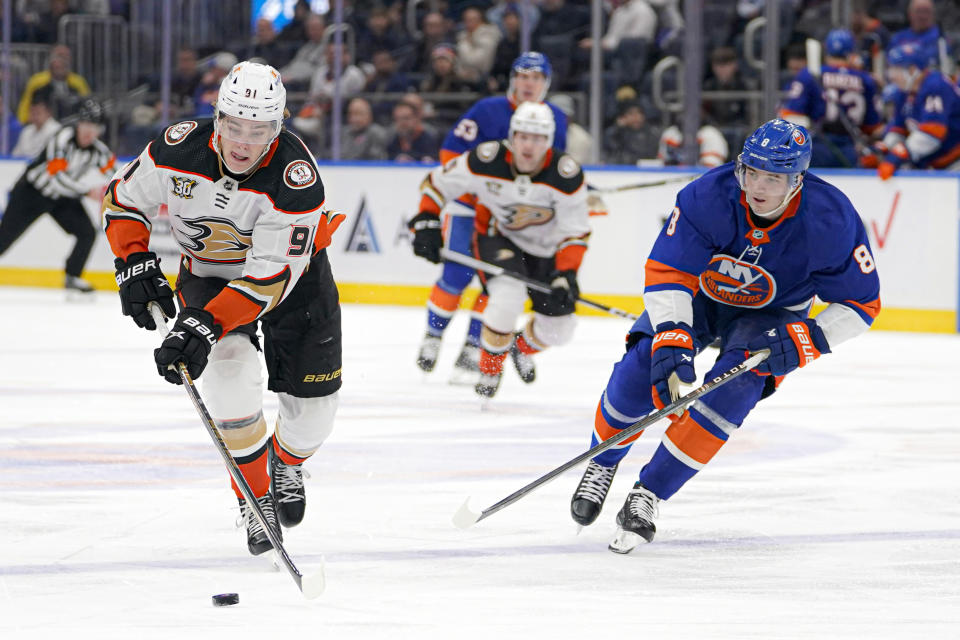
244, 200
488, 119
55, 182
531, 218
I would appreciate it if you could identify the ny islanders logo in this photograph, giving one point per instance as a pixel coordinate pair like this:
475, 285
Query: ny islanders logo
737, 283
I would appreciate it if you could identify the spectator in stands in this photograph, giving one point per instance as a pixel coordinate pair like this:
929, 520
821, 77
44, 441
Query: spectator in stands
67, 87
562, 24
435, 30
795, 61
424, 113
308, 58
476, 46
295, 32
725, 76
266, 46
410, 141
923, 29
40, 19
630, 34
380, 33
508, 50
496, 14
579, 140
352, 79
443, 78
14, 127
209, 86
383, 77
362, 139
629, 139
869, 33
40, 128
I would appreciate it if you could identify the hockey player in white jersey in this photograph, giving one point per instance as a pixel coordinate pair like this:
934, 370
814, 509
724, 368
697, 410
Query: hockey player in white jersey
531, 218
246, 207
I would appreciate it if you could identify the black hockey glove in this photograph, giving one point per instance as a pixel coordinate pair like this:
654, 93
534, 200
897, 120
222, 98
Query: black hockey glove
189, 341
564, 289
427, 239
141, 282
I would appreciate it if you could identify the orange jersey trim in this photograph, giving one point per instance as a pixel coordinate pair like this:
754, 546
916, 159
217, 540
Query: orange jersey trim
56, 165
446, 155
127, 236
232, 305
658, 273
871, 308
936, 129
570, 257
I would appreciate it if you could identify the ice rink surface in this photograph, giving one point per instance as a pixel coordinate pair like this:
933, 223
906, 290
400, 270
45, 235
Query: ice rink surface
833, 513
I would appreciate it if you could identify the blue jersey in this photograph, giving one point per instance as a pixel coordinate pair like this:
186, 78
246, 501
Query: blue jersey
712, 246
934, 109
928, 40
489, 119
839, 88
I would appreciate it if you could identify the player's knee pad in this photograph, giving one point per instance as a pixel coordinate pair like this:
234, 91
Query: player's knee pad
506, 299
232, 382
304, 423
553, 331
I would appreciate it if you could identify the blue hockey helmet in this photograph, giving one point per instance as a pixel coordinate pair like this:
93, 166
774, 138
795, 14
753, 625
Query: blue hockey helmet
531, 62
839, 43
777, 146
909, 54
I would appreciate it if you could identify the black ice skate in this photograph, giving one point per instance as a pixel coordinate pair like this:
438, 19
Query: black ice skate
523, 363
591, 493
429, 350
75, 284
635, 520
257, 540
467, 367
487, 386
286, 484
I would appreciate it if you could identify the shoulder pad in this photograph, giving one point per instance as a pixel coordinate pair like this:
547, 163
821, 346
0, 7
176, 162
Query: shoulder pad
290, 179
177, 133
487, 151
567, 167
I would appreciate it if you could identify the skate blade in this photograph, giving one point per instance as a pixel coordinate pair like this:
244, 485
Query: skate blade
465, 517
625, 541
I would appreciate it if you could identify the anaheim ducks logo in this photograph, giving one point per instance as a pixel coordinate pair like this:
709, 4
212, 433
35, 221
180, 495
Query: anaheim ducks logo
177, 133
520, 216
216, 240
737, 283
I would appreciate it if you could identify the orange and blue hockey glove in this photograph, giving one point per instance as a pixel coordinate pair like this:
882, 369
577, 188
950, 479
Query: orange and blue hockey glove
793, 345
671, 361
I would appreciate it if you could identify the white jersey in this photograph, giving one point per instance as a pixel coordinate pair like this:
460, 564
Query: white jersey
65, 170
255, 232
540, 213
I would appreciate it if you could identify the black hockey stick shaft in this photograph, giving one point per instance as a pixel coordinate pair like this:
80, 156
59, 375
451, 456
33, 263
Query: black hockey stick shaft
311, 588
537, 285
752, 361
638, 185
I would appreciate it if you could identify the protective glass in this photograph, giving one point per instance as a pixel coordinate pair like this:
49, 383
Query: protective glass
248, 131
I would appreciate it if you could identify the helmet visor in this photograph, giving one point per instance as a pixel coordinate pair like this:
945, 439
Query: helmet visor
248, 131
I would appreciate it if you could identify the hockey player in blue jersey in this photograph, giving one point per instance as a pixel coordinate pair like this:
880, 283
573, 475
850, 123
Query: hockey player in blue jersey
487, 120
843, 101
925, 129
740, 259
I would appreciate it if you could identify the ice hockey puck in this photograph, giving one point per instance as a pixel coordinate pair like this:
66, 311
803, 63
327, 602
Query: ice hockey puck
225, 599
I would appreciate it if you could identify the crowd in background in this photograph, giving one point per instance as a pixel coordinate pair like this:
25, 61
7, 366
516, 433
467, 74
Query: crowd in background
403, 91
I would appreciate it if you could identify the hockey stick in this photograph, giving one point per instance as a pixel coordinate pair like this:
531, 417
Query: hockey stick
639, 185
465, 517
542, 287
310, 586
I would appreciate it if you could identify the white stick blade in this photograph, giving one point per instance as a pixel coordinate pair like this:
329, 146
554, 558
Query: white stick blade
465, 518
311, 586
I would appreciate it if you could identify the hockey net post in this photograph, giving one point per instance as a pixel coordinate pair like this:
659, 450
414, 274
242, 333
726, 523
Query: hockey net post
311, 585
536, 285
465, 517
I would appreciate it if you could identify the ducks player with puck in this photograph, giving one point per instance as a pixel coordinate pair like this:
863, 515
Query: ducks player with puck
246, 207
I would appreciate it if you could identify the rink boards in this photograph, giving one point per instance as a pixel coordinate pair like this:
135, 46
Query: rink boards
912, 222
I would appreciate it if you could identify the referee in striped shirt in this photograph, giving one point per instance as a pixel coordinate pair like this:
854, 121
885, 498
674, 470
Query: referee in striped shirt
74, 162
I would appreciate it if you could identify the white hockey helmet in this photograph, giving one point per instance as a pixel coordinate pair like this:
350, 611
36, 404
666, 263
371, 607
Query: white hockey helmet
533, 117
254, 92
